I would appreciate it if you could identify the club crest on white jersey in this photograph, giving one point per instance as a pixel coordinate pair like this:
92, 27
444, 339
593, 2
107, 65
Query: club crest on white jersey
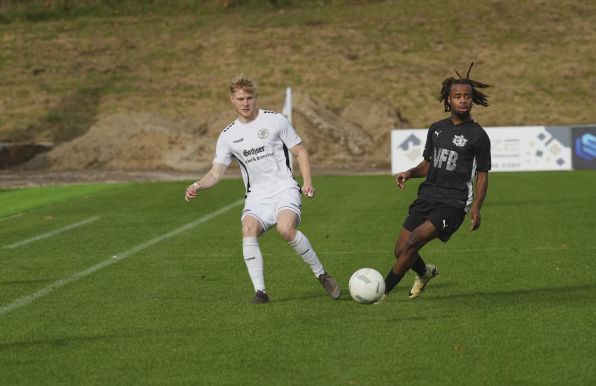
263, 133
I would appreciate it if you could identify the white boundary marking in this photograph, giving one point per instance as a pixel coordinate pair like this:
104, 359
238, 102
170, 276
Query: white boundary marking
52, 233
11, 216
25, 300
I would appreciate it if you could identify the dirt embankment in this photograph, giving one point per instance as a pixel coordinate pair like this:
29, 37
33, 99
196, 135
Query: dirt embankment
142, 144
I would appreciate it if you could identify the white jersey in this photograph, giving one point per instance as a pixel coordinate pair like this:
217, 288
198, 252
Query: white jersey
261, 148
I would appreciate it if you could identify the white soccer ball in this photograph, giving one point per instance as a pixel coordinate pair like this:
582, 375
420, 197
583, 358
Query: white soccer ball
366, 285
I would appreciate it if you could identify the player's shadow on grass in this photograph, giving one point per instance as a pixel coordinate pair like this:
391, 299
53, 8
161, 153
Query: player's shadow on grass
549, 295
309, 295
401, 292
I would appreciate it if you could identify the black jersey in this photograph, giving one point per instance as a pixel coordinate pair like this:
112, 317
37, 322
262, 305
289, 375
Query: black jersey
455, 152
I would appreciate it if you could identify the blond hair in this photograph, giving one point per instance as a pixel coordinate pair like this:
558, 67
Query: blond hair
242, 82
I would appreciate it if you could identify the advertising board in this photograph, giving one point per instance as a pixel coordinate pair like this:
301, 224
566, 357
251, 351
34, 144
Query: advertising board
514, 148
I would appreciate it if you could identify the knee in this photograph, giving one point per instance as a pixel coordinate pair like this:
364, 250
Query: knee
286, 231
250, 230
398, 250
408, 246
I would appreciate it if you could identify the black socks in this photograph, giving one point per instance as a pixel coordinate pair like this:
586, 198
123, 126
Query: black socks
419, 267
391, 281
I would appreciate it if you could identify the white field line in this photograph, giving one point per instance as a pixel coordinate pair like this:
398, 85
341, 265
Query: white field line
12, 216
25, 300
51, 233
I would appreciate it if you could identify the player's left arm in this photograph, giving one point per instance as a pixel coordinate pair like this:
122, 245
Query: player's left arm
301, 154
481, 188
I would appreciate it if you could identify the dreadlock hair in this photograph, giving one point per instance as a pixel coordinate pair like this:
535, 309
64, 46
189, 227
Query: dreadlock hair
478, 97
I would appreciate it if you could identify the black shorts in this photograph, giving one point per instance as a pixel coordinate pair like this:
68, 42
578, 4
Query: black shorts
446, 219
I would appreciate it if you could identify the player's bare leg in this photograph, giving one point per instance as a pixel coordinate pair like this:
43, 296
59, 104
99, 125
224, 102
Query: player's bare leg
408, 245
424, 273
287, 222
418, 266
253, 258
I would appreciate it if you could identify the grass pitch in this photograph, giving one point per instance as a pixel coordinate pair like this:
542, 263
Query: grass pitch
513, 305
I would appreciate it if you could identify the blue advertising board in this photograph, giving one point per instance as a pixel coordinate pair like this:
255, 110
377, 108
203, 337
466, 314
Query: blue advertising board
584, 147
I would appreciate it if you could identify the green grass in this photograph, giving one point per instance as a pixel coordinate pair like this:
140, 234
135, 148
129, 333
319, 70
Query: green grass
17, 201
513, 305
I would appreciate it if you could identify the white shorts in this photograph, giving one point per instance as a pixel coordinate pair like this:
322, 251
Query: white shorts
267, 210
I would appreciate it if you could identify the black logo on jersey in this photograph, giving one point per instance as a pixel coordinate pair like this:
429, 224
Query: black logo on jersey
253, 151
447, 157
238, 140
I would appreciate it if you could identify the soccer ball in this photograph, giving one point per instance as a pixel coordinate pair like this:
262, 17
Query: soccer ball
366, 285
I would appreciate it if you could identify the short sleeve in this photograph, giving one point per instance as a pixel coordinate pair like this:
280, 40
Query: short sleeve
483, 159
428, 146
287, 133
223, 155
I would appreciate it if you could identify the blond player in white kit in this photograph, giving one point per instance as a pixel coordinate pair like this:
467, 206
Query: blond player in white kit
260, 140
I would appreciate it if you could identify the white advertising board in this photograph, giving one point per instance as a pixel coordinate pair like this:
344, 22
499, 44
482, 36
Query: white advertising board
521, 148
406, 148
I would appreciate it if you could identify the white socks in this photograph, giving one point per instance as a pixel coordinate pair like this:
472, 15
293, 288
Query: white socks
254, 262
253, 258
304, 249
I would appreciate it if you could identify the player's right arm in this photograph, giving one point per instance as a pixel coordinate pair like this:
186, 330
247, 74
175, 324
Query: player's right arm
420, 170
209, 180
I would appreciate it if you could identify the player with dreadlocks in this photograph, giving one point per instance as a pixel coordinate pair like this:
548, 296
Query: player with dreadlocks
457, 150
